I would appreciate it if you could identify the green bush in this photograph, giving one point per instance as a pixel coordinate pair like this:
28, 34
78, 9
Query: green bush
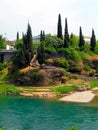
87, 68
61, 50
2, 66
8, 89
50, 49
61, 62
94, 84
71, 53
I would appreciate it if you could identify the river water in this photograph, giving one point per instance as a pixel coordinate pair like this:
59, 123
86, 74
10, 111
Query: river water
39, 114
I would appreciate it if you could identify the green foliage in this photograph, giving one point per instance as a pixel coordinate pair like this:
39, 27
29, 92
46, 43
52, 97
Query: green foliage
86, 68
19, 44
83, 55
13, 73
50, 49
71, 53
19, 60
17, 35
42, 36
24, 48
61, 62
86, 47
64, 89
2, 66
94, 84
81, 39
96, 48
74, 41
8, 89
41, 54
2, 42
73, 128
53, 41
93, 41
66, 35
59, 28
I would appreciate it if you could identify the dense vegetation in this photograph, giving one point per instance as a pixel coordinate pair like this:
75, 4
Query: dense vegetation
70, 52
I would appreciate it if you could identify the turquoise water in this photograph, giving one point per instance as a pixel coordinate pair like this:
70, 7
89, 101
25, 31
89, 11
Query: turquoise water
38, 114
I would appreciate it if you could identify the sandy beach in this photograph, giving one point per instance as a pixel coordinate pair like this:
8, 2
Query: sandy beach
82, 97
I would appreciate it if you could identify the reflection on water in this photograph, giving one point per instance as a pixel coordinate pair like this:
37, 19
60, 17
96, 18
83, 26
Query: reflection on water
94, 102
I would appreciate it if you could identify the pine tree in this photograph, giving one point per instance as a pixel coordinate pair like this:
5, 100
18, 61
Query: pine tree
66, 35
93, 41
17, 35
59, 28
81, 39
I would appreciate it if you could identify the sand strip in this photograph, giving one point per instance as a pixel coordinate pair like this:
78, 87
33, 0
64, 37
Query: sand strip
82, 97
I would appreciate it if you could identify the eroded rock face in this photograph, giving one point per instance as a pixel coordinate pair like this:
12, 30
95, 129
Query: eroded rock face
47, 75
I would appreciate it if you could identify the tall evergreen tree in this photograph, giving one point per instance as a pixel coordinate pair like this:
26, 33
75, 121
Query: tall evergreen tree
29, 38
59, 28
42, 36
27, 44
17, 35
66, 35
93, 41
81, 39
41, 54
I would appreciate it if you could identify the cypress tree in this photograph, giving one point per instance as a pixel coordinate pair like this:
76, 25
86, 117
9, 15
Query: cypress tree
71, 39
42, 36
29, 38
27, 44
81, 39
59, 28
40, 52
93, 41
66, 35
17, 35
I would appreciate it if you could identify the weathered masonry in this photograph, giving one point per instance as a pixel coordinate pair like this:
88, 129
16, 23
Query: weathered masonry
6, 55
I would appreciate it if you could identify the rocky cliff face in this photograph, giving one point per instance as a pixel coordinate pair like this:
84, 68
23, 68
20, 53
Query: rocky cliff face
46, 76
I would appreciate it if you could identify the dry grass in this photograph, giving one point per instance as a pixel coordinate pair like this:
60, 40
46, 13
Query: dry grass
75, 82
24, 70
93, 58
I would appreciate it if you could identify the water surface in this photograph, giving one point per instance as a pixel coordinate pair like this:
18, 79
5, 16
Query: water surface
39, 114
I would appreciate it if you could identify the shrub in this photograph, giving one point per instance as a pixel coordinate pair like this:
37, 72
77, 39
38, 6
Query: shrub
2, 66
61, 62
87, 68
94, 84
50, 49
8, 89
72, 54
